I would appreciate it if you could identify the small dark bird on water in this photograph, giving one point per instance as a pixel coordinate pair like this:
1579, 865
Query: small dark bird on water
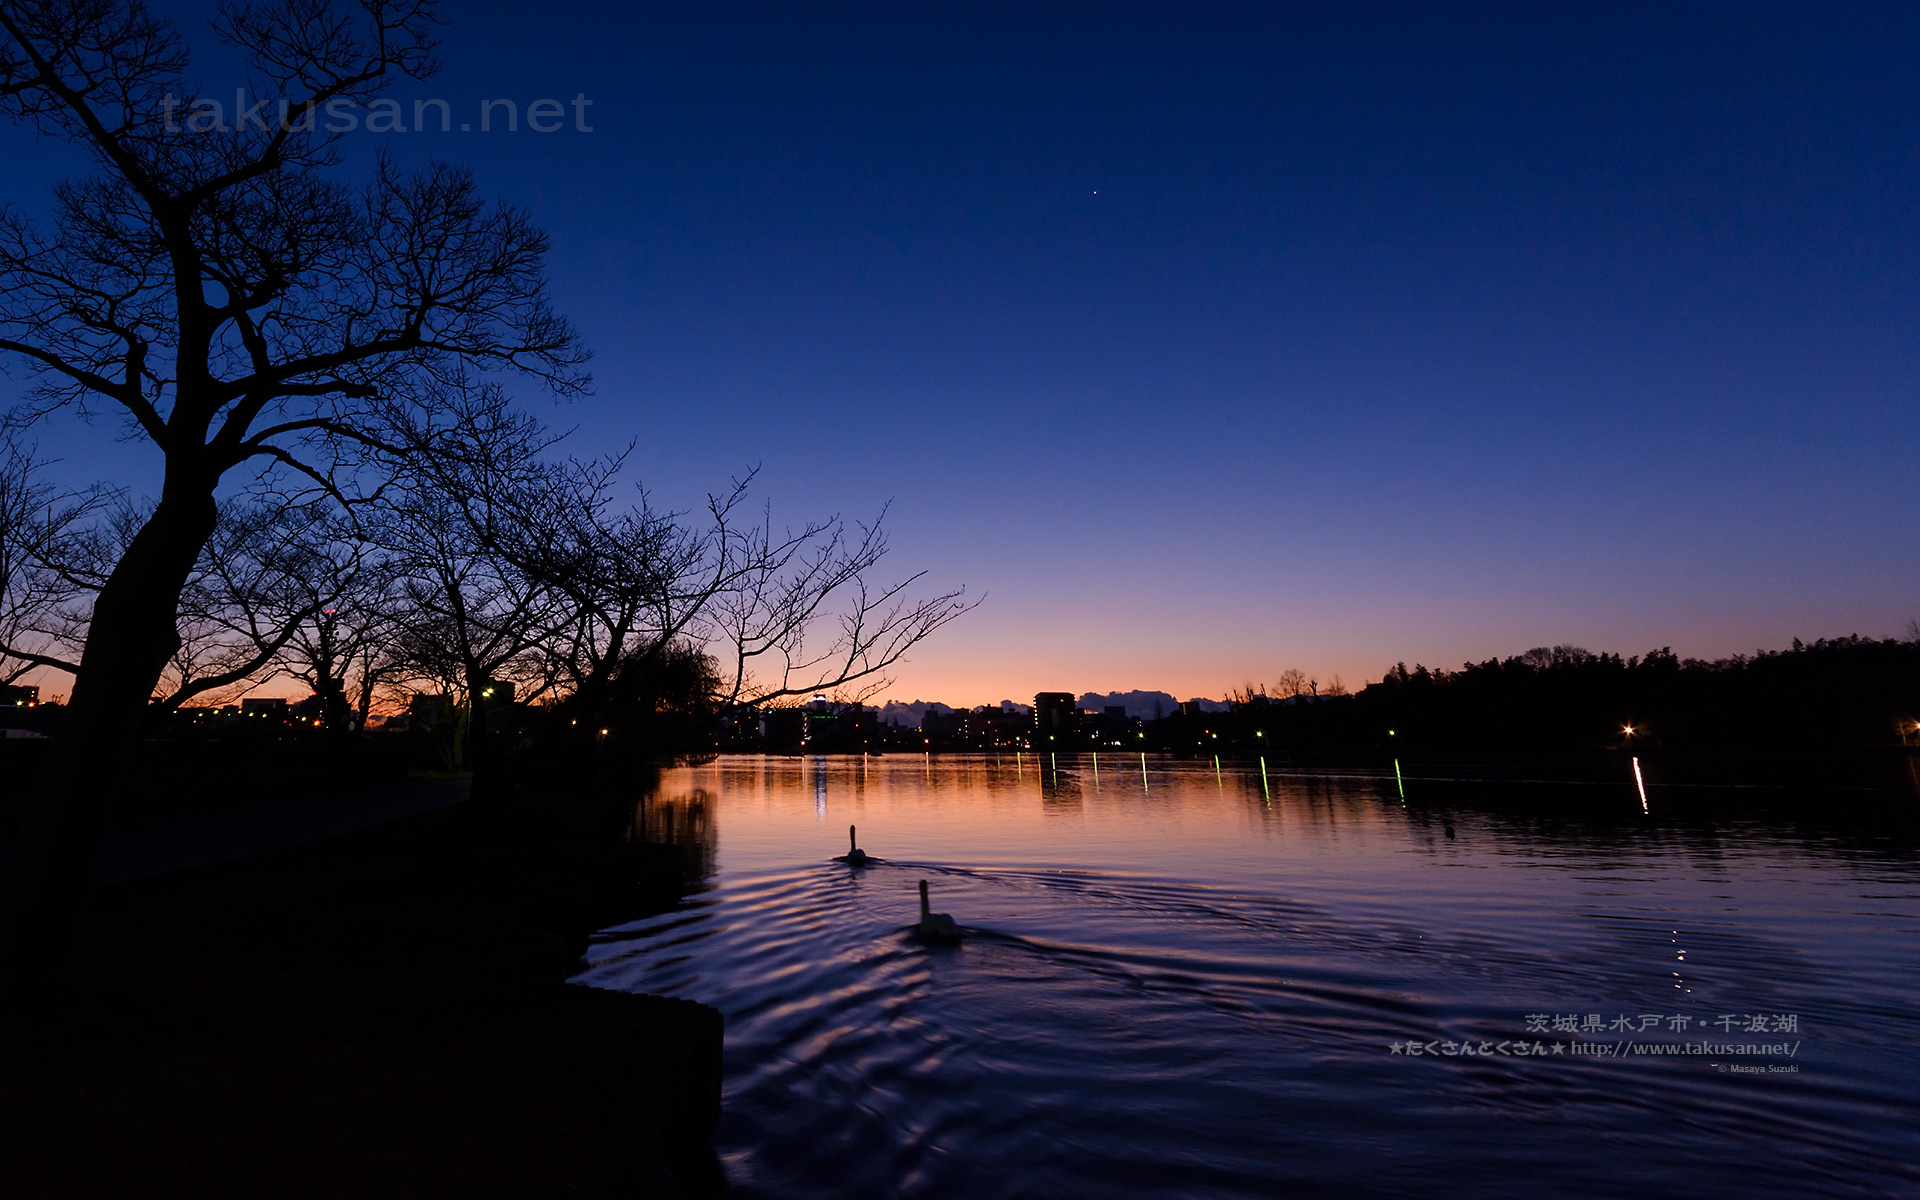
935, 926
1449, 830
855, 856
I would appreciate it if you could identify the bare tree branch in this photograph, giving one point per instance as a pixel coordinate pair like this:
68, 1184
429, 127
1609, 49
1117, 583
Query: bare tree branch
44, 589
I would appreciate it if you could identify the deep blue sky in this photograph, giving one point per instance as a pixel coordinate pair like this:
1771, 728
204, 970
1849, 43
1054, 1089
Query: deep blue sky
1212, 340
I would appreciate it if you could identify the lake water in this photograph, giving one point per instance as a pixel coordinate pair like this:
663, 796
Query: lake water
1182, 983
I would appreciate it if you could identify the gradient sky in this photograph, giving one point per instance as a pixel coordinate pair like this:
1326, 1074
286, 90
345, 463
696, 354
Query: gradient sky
1211, 340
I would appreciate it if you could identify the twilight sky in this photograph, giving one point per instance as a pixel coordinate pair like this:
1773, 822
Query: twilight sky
1209, 340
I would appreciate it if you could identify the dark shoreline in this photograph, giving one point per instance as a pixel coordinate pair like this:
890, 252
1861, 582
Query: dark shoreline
354, 1017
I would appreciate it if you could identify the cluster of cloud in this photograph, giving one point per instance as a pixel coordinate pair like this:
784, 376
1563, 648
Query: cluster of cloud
1148, 706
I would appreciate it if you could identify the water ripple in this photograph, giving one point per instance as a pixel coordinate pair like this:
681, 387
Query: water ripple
1195, 994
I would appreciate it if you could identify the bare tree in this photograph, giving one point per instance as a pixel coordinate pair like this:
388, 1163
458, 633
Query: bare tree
473, 617
515, 567
374, 664
518, 565
808, 611
628, 581
344, 647
286, 588
260, 579
234, 304
521, 562
47, 548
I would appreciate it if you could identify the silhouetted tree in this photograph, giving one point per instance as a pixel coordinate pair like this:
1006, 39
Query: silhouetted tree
345, 646
767, 625
284, 588
256, 582
236, 305
47, 578
515, 565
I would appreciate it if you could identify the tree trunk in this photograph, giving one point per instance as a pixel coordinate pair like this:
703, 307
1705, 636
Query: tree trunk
476, 747
132, 634
364, 713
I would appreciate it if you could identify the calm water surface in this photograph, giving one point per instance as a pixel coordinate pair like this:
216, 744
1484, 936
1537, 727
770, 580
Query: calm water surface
1190, 985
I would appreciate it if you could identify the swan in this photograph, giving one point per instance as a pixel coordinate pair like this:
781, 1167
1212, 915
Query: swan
855, 856
938, 926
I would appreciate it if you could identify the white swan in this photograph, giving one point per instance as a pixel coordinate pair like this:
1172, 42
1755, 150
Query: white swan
938, 926
855, 856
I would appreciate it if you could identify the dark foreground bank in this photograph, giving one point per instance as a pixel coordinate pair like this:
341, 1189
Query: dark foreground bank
363, 1017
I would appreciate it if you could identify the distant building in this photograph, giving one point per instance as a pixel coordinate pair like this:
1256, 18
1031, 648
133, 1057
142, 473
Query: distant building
1055, 714
264, 706
828, 727
819, 723
783, 728
935, 723
425, 710
19, 695
990, 725
743, 728
1190, 708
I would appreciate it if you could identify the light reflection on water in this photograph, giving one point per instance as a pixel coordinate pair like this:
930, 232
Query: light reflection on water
1186, 984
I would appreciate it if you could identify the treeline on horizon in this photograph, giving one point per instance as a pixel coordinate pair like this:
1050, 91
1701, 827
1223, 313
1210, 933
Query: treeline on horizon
1832, 693
1845, 695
